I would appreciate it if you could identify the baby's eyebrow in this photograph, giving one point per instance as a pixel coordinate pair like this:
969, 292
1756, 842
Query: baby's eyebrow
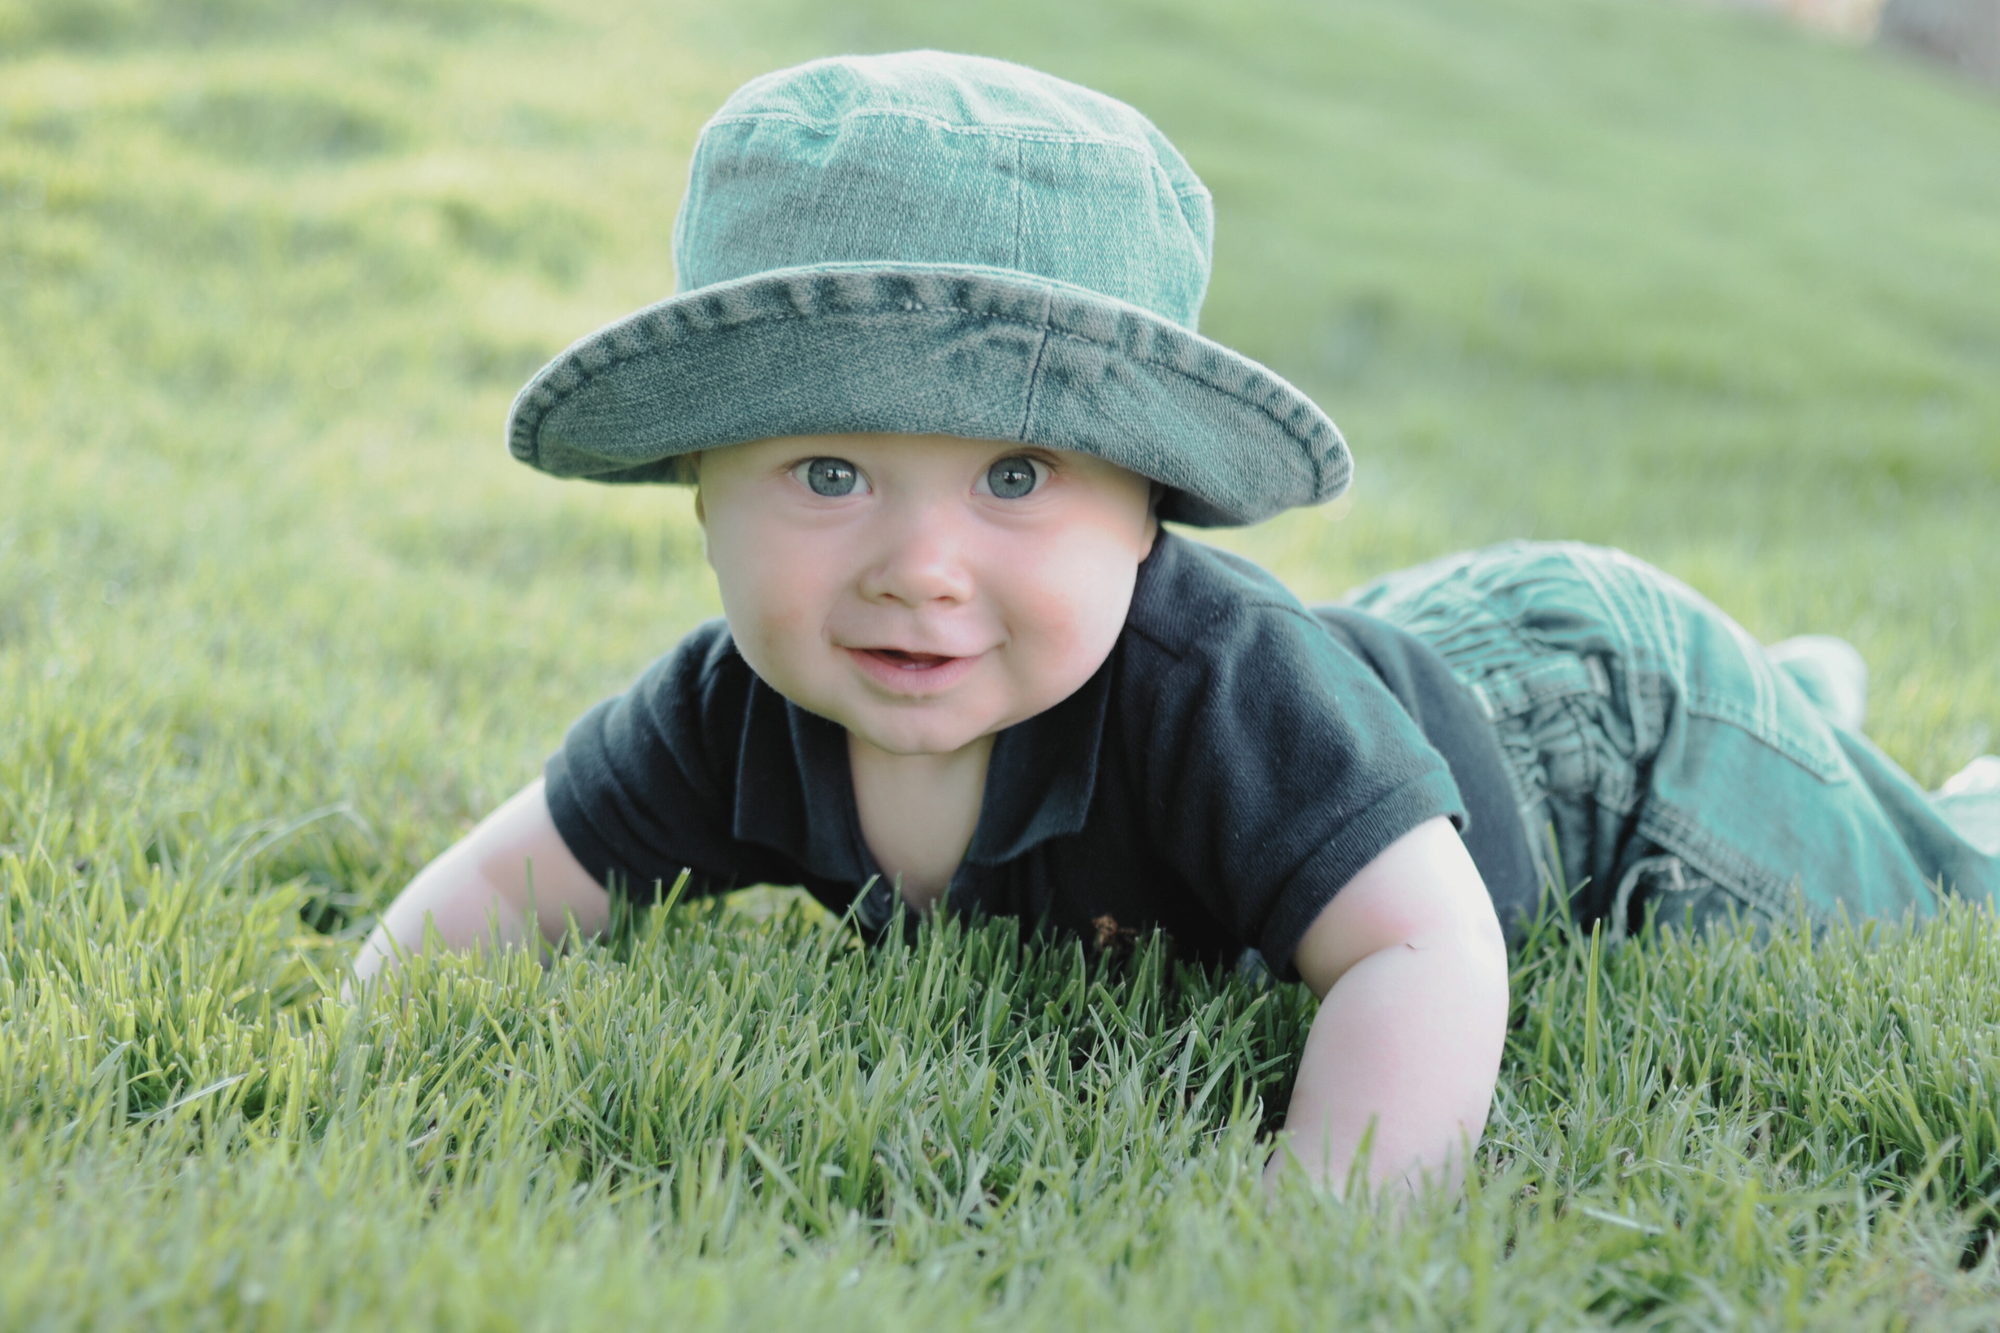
1041, 453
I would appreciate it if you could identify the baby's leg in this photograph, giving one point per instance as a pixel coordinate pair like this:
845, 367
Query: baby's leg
1665, 755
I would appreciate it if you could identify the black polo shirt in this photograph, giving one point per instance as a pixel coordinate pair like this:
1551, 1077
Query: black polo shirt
1234, 762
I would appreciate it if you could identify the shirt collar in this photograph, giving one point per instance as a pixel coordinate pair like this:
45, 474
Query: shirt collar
794, 791
1041, 775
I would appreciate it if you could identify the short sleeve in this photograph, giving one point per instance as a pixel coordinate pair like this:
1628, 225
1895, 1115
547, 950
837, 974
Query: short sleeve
1277, 765
642, 787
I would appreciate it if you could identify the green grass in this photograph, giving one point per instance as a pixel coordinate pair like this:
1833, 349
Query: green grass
278, 618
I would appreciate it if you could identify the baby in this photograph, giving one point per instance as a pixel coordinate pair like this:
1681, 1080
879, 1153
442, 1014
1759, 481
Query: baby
934, 373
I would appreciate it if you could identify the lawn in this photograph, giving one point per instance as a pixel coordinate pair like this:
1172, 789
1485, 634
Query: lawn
279, 618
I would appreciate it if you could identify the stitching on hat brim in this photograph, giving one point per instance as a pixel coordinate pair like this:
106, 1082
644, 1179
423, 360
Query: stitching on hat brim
585, 378
1045, 326
542, 399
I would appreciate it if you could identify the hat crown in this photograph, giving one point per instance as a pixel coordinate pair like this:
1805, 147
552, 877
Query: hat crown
923, 158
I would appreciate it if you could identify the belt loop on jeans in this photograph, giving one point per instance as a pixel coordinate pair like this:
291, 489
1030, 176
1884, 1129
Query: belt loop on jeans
1621, 905
1600, 679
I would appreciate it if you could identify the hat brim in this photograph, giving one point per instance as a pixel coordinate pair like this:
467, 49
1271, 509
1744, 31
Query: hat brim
931, 349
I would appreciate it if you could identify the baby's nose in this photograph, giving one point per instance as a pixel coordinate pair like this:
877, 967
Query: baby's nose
922, 561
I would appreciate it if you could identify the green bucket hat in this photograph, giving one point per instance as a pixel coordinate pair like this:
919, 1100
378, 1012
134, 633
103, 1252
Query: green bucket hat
925, 243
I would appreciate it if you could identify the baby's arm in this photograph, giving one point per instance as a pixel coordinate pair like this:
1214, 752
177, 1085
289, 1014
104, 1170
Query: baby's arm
484, 879
1411, 970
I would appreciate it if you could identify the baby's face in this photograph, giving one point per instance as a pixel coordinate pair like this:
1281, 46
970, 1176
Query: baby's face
922, 591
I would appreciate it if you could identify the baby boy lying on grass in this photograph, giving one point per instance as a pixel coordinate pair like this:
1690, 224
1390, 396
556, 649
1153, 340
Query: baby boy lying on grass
934, 373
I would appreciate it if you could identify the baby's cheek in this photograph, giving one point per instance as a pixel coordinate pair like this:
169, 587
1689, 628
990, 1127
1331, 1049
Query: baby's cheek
787, 636
1072, 633
1098, 595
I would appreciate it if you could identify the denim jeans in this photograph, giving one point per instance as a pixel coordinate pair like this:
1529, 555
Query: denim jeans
1661, 761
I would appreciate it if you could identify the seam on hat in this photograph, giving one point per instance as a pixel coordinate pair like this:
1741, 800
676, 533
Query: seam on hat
1020, 204
1035, 371
832, 127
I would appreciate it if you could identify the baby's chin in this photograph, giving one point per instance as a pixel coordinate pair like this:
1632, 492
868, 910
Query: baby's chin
909, 737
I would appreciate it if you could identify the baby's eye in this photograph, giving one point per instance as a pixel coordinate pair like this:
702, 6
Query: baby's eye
832, 477
1012, 477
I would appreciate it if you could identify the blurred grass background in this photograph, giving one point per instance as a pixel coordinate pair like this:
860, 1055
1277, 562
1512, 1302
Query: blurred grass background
279, 617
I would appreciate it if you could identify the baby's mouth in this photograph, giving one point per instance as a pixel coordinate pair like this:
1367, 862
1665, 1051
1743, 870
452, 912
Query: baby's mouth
907, 673
906, 661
